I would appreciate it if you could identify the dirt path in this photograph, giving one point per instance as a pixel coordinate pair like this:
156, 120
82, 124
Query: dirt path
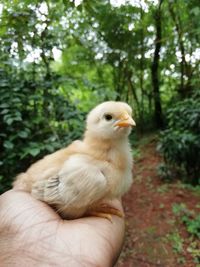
154, 234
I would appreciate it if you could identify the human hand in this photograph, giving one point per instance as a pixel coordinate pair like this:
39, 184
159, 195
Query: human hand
32, 234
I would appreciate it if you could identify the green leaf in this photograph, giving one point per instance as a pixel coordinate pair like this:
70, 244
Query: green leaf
23, 134
8, 145
4, 111
34, 151
196, 11
9, 121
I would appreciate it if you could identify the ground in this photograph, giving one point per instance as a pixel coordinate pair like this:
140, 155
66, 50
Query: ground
154, 208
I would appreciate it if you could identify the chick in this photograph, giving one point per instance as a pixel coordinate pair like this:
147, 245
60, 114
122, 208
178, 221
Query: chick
78, 179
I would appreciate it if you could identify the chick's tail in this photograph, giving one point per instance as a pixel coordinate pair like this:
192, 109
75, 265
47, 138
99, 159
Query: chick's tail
22, 182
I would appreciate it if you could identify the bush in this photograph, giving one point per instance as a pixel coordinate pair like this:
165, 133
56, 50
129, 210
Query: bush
33, 125
180, 142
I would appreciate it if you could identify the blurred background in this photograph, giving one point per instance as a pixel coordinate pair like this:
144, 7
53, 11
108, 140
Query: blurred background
58, 59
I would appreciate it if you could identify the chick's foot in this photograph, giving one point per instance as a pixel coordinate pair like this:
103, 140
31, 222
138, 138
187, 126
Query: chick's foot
105, 211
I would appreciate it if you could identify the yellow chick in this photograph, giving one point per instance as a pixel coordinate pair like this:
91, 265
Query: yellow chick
78, 179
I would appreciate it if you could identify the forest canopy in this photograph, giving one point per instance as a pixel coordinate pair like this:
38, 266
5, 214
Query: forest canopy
58, 59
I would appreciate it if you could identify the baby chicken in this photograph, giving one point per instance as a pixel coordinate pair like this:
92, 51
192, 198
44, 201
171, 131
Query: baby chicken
78, 179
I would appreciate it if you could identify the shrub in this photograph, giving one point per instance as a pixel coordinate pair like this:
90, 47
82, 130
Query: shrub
180, 142
33, 125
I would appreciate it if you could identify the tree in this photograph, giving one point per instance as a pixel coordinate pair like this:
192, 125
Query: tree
155, 67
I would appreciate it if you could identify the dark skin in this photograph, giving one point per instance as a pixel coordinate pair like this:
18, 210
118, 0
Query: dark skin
32, 234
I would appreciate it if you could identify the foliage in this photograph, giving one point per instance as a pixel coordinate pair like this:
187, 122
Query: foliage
193, 225
191, 221
60, 58
33, 126
180, 142
188, 217
180, 209
176, 241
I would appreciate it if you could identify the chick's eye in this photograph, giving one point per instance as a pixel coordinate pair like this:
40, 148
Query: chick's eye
108, 117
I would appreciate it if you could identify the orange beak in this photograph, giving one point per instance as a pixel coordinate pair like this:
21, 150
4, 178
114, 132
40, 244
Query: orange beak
125, 120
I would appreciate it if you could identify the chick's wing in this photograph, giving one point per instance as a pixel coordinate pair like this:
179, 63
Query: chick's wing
78, 185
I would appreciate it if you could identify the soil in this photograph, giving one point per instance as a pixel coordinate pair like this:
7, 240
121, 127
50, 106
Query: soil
150, 219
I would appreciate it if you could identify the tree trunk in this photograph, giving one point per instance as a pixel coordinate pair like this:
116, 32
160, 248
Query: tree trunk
142, 66
184, 67
155, 68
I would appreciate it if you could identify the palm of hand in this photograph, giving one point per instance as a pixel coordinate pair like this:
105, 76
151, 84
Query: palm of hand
32, 234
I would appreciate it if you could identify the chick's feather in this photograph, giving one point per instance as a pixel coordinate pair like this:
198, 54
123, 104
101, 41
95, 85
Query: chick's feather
82, 175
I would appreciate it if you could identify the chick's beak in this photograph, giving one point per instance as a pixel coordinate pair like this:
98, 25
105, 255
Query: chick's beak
125, 120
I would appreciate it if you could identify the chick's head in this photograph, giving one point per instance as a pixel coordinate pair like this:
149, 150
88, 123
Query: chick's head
110, 120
